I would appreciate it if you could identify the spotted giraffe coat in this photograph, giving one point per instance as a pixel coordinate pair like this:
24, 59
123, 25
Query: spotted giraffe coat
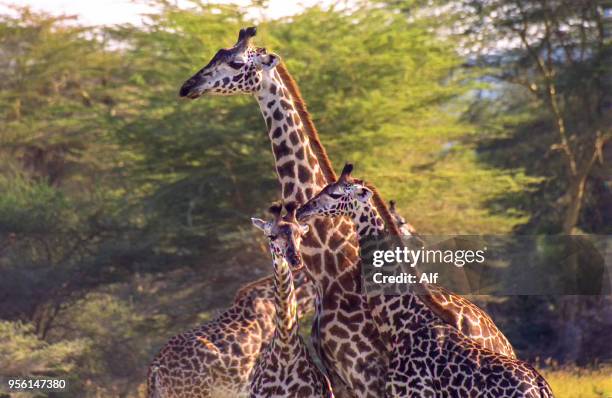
215, 359
428, 357
342, 198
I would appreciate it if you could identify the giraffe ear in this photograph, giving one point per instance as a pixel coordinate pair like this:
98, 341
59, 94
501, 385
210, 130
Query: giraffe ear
260, 224
267, 61
362, 193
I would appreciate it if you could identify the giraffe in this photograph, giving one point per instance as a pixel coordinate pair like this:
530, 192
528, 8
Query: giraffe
285, 368
404, 226
343, 331
216, 358
350, 197
430, 355
430, 358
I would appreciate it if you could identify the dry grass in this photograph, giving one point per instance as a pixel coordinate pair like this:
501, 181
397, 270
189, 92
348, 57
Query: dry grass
574, 382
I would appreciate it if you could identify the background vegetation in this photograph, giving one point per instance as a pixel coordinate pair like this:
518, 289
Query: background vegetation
124, 210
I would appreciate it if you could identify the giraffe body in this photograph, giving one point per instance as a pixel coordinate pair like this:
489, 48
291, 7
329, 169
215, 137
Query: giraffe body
352, 198
285, 368
430, 356
215, 359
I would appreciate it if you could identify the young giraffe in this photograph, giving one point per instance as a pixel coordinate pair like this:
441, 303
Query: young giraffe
352, 198
429, 357
285, 368
344, 333
216, 358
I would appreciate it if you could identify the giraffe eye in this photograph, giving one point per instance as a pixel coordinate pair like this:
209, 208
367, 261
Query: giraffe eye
335, 195
236, 64
272, 237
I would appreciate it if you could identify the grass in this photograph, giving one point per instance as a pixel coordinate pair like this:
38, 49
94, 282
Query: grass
574, 382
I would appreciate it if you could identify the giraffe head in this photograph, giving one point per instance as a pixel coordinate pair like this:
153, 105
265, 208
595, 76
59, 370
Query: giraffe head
340, 198
284, 235
399, 220
235, 70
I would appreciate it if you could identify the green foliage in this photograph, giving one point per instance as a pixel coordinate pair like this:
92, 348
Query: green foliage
29, 207
22, 353
117, 343
551, 74
389, 100
200, 168
388, 81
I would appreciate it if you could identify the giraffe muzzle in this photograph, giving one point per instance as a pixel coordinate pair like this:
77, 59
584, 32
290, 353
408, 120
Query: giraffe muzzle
190, 89
303, 213
295, 260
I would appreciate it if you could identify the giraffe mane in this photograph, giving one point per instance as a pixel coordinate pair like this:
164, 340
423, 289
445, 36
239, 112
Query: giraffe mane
309, 127
246, 289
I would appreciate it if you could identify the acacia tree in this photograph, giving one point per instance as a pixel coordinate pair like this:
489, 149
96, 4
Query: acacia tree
558, 52
60, 223
552, 58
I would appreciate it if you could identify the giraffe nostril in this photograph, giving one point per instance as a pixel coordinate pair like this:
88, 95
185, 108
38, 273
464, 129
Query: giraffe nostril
186, 88
294, 259
301, 213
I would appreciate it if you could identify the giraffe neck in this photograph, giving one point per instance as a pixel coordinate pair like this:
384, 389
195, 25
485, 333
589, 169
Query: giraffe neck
261, 292
330, 248
297, 166
286, 333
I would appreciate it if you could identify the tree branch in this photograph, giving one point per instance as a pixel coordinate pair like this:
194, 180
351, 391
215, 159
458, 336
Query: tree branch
548, 75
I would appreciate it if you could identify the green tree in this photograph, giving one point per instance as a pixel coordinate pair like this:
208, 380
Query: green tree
64, 226
558, 53
384, 93
546, 108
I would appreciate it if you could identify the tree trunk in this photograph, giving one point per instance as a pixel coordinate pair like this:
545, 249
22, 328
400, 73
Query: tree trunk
576, 194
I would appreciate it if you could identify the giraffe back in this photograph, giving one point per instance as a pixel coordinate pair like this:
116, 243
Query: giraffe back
436, 359
215, 359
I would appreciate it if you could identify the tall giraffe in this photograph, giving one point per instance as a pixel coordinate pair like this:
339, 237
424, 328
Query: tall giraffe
344, 333
430, 355
353, 198
285, 369
215, 359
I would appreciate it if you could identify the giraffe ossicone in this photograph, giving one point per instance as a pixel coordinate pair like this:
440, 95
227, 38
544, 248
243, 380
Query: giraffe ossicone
285, 368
